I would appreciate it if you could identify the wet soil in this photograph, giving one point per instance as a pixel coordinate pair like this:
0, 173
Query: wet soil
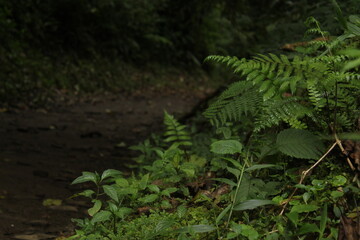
43, 150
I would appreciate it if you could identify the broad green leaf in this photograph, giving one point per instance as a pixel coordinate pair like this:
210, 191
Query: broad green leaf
304, 208
95, 208
87, 177
110, 173
259, 166
252, 203
249, 232
101, 216
149, 198
123, 212
308, 228
338, 181
122, 182
294, 217
226, 147
111, 192
336, 194
154, 188
144, 181
168, 191
269, 93
299, 143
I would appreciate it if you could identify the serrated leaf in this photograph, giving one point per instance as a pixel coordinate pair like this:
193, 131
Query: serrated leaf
252, 203
111, 192
95, 208
226, 147
101, 216
299, 143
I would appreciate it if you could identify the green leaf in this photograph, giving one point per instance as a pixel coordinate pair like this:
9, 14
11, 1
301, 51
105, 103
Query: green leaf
87, 193
259, 166
225, 180
249, 232
122, 182
144, 181
110, 173
95, 208
323, 220
123, 212
304, 208
101, 216
338, 181
299, 143
234, 171
154, 188
111, 192
226, 147
87, 177
252, 203
308, 228
294, 217
223, 213
149, 198
168, 191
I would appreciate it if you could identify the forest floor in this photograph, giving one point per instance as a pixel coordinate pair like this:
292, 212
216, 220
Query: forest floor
43, 150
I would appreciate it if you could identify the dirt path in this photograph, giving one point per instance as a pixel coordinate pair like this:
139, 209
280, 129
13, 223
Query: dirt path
41, 152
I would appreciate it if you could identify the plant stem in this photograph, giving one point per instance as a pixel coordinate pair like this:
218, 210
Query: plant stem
236, 193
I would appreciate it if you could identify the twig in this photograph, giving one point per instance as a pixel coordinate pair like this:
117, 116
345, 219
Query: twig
303, 176
338, 142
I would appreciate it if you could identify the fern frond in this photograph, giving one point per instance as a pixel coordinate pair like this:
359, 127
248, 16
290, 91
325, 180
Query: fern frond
275, 112
176, 132
240, 98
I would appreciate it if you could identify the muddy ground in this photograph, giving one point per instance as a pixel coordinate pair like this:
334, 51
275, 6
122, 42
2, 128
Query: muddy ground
43, 150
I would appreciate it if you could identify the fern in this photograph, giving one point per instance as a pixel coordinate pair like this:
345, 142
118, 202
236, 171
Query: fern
175, 132
240, 98
275, 112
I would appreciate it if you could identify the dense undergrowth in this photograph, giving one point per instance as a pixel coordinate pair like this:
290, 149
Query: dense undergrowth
279, 161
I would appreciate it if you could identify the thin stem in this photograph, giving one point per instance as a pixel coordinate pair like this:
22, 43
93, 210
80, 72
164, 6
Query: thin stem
236, 193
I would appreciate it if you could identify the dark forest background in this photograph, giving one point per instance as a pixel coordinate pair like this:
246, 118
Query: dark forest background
90, 45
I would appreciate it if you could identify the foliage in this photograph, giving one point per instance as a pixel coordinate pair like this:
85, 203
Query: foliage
265, 173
